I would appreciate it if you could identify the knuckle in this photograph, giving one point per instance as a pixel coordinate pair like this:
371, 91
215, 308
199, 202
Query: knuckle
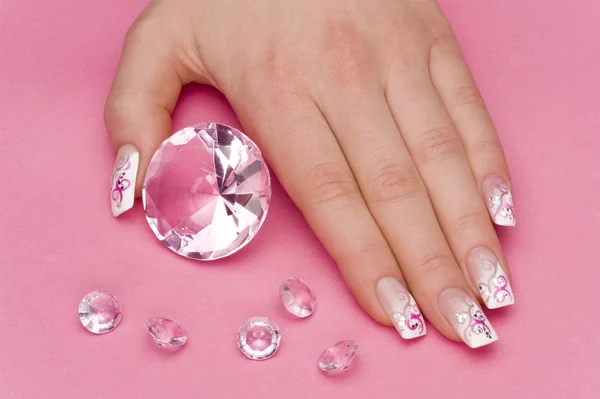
328, 182
278, 77
435, 262
119, 107
466, 96
438, 144
470, 221
347, 60
395, 183
443, 42
139, 31
487, 147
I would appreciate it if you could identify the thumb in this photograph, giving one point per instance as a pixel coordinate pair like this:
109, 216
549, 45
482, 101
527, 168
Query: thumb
138, 108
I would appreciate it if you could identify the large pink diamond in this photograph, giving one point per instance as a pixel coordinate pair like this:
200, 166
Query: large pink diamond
207, 191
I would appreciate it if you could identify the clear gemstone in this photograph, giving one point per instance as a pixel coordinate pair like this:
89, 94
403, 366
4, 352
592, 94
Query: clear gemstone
166, 332
297, 297
207, 191
461, 317
100, 312
338, 356
258, 338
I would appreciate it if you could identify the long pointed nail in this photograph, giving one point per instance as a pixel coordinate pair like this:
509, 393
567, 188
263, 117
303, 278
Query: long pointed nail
401, 308
487, 274
466, 318
499, 201
122, 190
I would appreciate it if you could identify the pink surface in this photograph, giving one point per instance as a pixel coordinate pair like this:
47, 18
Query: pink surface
537, 64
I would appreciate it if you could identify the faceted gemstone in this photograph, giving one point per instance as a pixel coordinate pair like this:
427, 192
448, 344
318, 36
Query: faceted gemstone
166, 332
338, 356
207, 191
297, 297
258, 338
100, 312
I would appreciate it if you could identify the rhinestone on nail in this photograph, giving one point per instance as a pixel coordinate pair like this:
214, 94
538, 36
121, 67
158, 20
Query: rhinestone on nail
297, 297
338, 356
258, 338
100, 312
462, 317
166, 332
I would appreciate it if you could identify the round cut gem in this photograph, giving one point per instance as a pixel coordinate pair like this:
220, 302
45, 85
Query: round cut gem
100, 312
166, 332
297, 297
338, 356
207, 191
258, 338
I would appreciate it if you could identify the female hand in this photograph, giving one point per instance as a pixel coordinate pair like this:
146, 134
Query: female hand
371, 120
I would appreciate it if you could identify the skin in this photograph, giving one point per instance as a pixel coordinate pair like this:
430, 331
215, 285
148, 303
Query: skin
365, 110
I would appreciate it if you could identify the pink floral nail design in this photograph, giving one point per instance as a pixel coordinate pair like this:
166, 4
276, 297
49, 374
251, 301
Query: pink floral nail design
466, 318
499, 201
120, 183
401, 308
123, 179
409, 322
487, 274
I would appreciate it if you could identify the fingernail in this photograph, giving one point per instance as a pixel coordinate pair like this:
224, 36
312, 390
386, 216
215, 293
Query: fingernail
487, 274
499, 201
466, 318
122, 191
401, 308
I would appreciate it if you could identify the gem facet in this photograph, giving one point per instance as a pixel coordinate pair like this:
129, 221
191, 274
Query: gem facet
297, 297
207, 191
100, 312
338, 356
166, 332
258, 338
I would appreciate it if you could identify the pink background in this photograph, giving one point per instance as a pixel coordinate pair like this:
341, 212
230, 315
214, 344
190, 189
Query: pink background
537, 64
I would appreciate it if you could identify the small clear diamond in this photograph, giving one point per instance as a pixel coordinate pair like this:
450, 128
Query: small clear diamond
207, 191
461, 317
338, 356
100, 312
166, 332
297, 297
258, 338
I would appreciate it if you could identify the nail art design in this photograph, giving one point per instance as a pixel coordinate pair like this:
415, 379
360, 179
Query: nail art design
499, 201
487, 273
466, 318
401, 308
123, 179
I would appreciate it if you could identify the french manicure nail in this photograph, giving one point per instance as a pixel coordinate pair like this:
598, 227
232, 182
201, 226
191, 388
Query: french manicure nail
499, 201
122, 190
466, 318
401, 308
487, 274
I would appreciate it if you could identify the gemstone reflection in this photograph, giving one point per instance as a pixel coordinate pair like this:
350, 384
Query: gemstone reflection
258, 338
100, 312
297, 297
207, 191
166, 332
338, 356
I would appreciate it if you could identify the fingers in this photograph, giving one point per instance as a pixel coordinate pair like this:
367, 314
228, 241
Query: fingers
439, 155
397, 199
313, 170
465, 106
138, 109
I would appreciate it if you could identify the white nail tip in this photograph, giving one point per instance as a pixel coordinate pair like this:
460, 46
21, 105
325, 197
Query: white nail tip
466, 318
401, 308
122, 190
